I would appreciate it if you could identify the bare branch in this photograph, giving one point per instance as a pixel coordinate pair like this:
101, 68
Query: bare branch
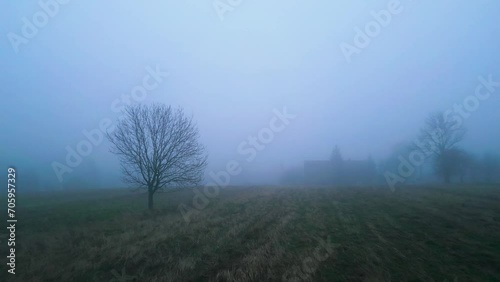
440, 134
439, 138
158, 148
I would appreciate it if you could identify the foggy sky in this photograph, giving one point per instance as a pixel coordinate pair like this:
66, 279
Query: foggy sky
232, 74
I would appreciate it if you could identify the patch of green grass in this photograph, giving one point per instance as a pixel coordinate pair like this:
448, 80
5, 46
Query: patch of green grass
261, 234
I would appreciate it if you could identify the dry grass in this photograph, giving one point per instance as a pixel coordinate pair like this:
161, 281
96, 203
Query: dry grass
262, 234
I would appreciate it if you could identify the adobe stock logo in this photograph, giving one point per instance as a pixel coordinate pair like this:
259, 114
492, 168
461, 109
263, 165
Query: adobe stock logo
372, 29
309, 265
40, 19
249, 148
224, 6
94, 137
458, 114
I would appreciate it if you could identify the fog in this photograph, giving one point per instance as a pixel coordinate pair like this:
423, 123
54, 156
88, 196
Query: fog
251, 68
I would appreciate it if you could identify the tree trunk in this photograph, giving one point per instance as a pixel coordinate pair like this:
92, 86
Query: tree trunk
150, 199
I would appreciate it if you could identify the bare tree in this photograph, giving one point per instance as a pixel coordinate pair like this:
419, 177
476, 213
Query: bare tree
439, 138
336, 156
452, 162
158, 148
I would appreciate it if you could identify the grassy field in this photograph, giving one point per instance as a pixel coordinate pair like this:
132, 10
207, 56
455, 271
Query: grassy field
261, 234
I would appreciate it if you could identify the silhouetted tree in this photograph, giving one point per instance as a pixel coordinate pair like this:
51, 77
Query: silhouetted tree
439, 138
452, 162
158, 148
335, 156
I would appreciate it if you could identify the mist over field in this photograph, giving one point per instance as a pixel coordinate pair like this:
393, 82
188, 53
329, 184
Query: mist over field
355, 140
230, 68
